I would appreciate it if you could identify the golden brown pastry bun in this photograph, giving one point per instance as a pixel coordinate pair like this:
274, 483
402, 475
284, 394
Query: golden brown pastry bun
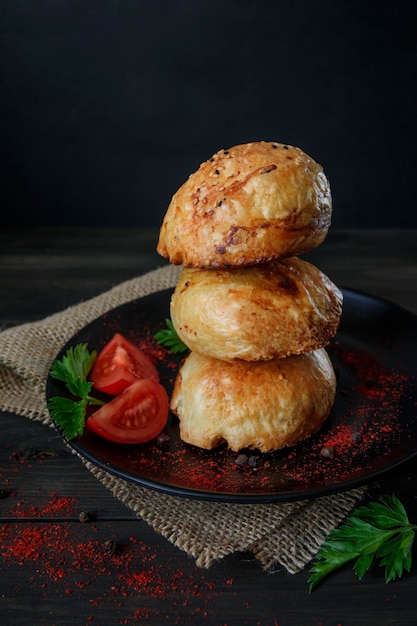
256, 313
265, 405
246, 205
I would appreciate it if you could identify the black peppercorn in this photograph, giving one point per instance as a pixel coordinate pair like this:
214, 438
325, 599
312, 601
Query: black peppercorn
109, 546
163, 440
327, 453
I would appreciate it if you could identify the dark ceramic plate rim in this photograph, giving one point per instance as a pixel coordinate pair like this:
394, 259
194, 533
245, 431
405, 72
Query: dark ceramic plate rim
359, 302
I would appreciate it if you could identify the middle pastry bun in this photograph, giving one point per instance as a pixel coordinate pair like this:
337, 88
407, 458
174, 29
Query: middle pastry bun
256, 313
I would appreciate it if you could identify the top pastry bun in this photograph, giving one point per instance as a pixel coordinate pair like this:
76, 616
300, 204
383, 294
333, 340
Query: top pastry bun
247, 205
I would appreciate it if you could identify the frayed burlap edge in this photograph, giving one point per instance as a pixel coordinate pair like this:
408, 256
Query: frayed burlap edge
286, 534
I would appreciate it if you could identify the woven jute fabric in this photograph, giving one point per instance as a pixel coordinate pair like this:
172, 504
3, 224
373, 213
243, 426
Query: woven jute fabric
284, 534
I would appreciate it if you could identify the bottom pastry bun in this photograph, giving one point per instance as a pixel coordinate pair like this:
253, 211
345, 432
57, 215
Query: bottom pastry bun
263, 405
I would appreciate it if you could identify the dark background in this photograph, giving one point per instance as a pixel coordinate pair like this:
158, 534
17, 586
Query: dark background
106, 107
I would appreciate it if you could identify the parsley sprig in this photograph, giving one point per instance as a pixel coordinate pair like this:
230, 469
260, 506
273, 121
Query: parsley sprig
168, 337
73, 370
381, 530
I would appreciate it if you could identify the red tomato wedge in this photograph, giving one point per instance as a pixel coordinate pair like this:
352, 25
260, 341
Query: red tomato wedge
119, 364
137, 415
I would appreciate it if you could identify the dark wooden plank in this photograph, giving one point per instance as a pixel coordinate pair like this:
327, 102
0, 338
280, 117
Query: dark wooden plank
148, 575
380, 262
45, 270
35, 465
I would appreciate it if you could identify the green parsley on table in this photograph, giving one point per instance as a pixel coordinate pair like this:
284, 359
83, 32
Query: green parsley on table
168, 337
380, 530
73, 370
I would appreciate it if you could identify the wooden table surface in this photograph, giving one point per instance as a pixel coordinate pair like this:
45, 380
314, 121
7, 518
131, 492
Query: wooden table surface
76, 579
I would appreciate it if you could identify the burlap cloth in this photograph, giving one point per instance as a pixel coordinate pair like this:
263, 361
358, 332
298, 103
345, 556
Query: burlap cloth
285, 534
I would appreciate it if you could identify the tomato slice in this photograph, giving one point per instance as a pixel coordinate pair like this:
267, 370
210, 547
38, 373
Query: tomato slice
137, 415
119, 364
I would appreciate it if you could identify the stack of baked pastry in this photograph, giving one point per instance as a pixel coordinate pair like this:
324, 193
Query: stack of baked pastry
256, 317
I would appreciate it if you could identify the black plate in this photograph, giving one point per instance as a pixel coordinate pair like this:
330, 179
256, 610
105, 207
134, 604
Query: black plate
372, 427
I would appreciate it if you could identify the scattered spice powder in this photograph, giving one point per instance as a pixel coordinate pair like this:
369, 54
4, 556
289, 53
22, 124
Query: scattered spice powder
66, 560
364, 423
57, 506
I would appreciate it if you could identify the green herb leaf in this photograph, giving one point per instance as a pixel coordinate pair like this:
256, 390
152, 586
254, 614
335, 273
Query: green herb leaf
168, 337
69, 415
73, 370
74, 367
380, 530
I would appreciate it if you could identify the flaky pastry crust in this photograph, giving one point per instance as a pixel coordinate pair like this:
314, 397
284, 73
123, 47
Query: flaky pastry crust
256, 313
247, 205
264, 405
